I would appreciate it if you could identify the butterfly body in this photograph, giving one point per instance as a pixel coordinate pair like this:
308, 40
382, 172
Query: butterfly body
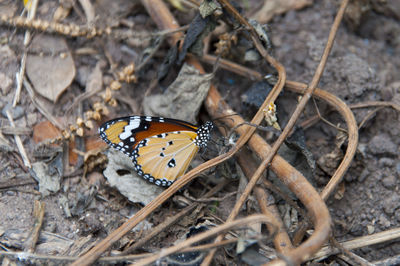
161, 148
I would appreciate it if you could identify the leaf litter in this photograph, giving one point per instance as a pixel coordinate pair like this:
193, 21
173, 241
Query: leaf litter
383, 167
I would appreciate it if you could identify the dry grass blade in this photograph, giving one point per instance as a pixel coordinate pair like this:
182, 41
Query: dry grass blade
360, 242
18, 140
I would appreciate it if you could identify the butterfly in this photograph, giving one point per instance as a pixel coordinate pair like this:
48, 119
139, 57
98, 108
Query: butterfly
161, 148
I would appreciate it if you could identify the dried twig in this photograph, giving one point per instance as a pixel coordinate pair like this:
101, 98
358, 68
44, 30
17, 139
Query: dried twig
18, 141
257, 218
303, 252
168, 22
360, 242
302, 188
335, 102
375, 103
208, 198
267, 205
38, 213
40, 106
369, 116
57, 259
17, 182
15, 130
170, 221
21, 74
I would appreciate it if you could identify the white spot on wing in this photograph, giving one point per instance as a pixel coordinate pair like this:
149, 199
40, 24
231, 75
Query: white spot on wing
133, 124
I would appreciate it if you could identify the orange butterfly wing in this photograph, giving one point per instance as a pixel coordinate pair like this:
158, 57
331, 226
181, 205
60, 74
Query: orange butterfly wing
161, 148
163, 159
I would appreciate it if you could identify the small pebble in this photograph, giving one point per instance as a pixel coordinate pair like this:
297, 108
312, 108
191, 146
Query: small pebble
5, 83
348, 212
364, 174
390, 204
370, 229
384, 222
385, 162
16, 112
387, 93
10, 193
389, 182
398, 169
382, 144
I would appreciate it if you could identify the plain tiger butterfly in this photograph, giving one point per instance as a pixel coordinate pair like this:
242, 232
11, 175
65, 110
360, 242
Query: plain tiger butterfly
161, 148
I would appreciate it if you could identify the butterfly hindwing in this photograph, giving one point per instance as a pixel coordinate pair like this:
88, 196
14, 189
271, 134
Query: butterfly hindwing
166, 157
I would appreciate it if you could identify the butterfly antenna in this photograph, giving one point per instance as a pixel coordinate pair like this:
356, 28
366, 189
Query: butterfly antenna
224, 117
222, 125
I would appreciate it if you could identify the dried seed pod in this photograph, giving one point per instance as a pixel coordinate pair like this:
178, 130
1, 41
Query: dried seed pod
79, 121
79, 132
66, 134
97, 106
270, 116
96, 116
115, 85
113, 102
107, 95
72, 128
89, 114
89, 124
105, 111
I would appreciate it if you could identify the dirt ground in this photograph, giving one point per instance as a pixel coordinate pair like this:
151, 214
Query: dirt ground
363, 66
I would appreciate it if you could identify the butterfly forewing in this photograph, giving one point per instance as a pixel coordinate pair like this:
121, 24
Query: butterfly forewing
161, 148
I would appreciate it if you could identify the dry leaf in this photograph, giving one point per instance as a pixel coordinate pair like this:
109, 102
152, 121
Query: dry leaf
47, 176
121, 174
45, 131
277, 7
95, 79
51, 68
183, 98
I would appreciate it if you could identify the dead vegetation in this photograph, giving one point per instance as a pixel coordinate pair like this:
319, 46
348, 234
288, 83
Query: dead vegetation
226, 210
